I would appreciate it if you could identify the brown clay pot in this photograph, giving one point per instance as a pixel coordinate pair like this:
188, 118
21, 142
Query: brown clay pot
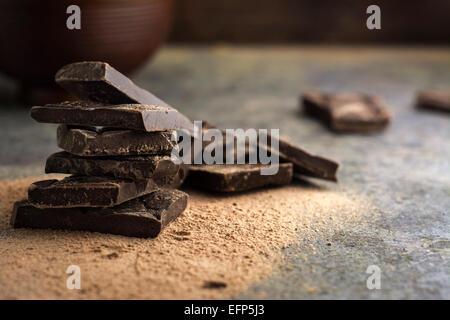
35, 42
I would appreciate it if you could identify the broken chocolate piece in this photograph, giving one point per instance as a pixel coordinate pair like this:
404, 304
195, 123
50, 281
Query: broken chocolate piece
83, 191
347, 112
90, 141
214, 285
237, 177
126, 116
173, 181
125, 167
437, 99
99, 82
306, 163
143, 217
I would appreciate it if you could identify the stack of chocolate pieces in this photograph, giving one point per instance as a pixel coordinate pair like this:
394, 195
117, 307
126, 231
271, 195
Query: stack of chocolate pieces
117, 147
117, 143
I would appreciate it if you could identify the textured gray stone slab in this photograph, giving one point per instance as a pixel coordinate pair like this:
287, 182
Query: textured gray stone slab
403, 172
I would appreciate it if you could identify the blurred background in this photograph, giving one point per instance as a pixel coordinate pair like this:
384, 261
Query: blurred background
310, 21
35, 42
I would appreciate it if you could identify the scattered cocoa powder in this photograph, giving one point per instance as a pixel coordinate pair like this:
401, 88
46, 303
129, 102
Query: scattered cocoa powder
231, 240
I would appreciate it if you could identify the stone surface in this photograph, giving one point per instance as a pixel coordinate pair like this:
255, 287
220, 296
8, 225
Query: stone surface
404, 171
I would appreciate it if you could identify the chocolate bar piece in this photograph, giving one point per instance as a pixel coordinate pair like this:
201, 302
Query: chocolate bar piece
237, 177
143, 217
92, 141
306, 163
438, 99
347, 112
99, 82
173, 181
83, 191
125, 167
126, 116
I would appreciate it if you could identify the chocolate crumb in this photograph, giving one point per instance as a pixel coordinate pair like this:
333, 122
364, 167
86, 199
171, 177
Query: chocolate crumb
214, 285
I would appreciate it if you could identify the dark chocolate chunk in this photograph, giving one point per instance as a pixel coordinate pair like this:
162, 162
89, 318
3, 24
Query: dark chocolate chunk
125, 167
237, 177
83, 191
143, 217
99, 82
214, 285
173, 181
198, 151
347, 112
90, 141
306, 163
126, 116
437, 99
